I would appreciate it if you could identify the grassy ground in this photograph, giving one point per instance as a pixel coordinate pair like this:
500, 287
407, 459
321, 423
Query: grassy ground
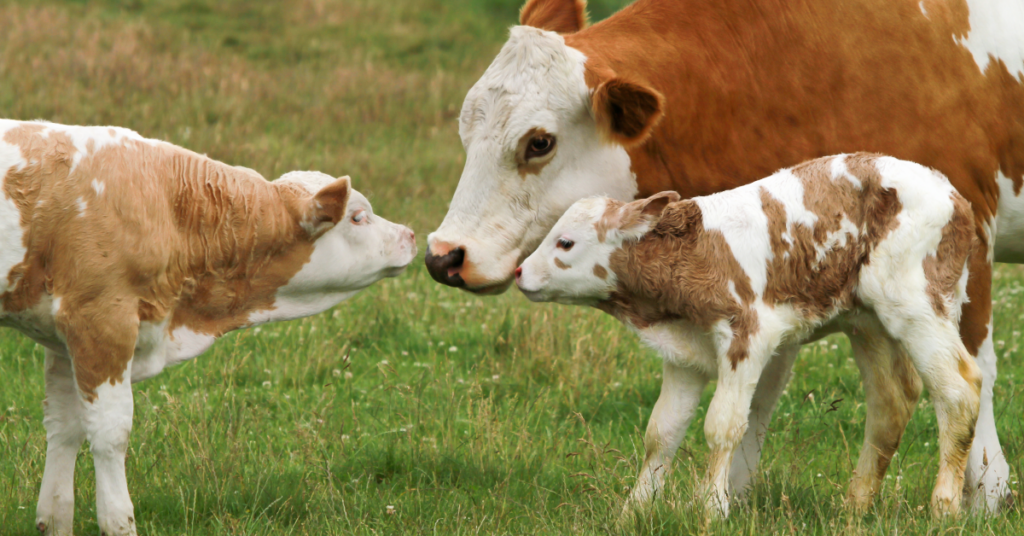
412, 408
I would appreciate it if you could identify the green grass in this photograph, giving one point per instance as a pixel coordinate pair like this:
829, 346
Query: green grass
466, 415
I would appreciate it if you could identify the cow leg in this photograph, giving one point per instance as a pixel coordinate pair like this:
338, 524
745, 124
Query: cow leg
62, 417
102, 356
681, 388
988, 473
892, 388
769, 388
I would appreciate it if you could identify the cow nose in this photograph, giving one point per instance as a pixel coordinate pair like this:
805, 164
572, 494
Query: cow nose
519, 273
445, 268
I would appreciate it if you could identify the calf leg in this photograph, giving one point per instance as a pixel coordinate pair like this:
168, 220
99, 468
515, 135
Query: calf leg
681, 388
773, 381
62, 417
954, 381
102, 356
727, 419
892, 388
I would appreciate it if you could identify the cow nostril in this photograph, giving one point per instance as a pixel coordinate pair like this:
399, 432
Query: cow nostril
519, 272
445, 268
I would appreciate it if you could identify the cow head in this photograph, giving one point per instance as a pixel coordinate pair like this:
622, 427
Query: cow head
541, 129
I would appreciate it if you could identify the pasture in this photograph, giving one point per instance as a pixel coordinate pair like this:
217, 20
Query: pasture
412, 408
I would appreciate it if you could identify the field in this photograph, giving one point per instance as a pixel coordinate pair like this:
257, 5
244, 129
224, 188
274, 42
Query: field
412, 408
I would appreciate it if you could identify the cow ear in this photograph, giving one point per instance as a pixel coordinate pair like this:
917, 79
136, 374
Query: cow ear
626, 112
640, 216
562, 16
331, 202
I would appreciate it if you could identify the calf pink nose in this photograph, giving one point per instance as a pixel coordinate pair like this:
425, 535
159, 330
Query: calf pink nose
519, 272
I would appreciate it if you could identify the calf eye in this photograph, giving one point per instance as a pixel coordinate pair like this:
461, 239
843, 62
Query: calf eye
358, 217
540, 146
565, 243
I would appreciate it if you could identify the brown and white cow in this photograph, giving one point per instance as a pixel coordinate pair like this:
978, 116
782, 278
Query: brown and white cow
124, 255
872, 246
699, 97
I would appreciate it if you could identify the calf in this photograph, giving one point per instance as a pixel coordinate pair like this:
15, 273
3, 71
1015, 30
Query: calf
865, 244
124, 255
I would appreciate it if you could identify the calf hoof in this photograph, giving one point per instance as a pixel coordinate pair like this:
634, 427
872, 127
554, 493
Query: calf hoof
41, 527
944, 505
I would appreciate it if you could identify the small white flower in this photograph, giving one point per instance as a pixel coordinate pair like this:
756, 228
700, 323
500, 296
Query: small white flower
384, 362
266, 384
819, 475
336, 373
496, 377
391, 510
404, 352
344, 437
453, 349
257, 330
348, 375
926, 443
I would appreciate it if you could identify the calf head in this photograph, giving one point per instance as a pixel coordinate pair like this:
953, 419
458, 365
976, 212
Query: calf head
542, 128
352, 247
572, 263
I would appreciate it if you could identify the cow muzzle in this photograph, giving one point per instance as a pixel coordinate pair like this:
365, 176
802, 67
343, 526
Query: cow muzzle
446, 267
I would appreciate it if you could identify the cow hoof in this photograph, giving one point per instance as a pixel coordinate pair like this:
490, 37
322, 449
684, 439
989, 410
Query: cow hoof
41, 527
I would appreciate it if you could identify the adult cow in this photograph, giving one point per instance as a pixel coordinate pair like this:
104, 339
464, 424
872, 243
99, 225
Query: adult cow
699, 97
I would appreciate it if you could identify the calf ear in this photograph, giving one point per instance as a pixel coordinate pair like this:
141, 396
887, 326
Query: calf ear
640, 216
562, 16
331, 202
626, 112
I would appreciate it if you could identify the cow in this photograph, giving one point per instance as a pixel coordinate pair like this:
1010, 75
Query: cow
699, 97
868, 245
124, 255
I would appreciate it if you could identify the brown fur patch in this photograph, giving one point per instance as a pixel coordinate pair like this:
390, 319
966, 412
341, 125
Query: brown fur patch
795, 274
532, 166
560, 264
562, 16
958, 241
679, 270
600, 271
173, 235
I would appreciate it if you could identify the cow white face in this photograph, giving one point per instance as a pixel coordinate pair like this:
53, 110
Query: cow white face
353, 247
536, 140
572, 265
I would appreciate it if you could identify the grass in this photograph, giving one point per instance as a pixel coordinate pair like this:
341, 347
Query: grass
412, 408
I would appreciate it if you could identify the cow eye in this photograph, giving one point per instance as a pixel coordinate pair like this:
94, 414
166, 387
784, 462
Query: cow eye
358, 217
540, 146
565, 244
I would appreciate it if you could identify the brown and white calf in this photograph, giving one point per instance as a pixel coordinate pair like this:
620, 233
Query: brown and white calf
124, 255
869, 245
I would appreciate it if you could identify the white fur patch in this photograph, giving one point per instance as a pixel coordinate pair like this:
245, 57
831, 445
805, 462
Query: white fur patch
739, 216
12, 250
996, 32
